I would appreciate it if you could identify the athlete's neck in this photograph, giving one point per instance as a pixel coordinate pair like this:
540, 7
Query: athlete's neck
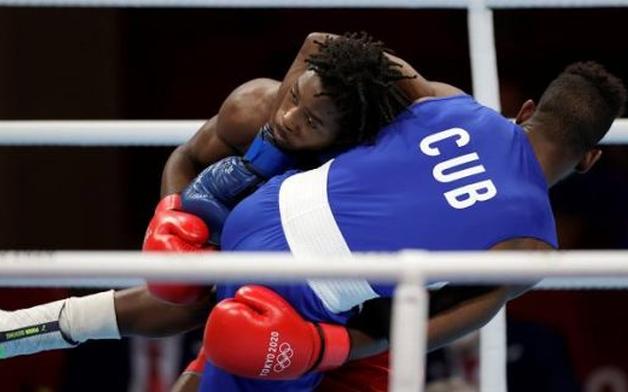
551, 157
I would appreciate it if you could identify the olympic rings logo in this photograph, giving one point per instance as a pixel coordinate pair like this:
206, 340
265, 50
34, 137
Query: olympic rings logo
283, 358
278, 356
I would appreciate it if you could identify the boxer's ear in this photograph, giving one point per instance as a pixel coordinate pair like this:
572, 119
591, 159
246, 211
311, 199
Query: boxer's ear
589, 159
525, 112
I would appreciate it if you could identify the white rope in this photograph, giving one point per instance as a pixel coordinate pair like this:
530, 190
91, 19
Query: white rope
75, 283
461, 267
144, 133
443, 4
618, 133
97, 133
556, 3
246, 3
582, 284
545, 284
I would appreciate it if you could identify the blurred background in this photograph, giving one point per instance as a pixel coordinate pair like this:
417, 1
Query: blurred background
100, 63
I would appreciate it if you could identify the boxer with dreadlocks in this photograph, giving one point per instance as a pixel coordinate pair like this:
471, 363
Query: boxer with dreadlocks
338, 93
362, 82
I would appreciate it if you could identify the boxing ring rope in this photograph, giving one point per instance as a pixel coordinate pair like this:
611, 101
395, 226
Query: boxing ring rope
410, 269
109, 133
441, 4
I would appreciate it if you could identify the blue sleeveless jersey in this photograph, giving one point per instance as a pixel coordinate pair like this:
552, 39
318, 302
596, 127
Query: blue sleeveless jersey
448, 174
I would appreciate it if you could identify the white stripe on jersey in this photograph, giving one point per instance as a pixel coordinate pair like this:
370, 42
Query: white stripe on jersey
311, 230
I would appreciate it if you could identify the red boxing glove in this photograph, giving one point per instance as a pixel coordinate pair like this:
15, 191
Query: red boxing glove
173, 230
259, 335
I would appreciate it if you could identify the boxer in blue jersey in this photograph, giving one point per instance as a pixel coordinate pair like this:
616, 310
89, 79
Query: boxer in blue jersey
449, 174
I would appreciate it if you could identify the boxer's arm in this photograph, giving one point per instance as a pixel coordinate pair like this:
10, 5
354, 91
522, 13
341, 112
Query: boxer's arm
228, 133
214, 192
106, 315
474, 313
372, 325
244, 333
187, 382
183, 223
460, 309
207, 203
416, 87
187, 160
140, 314
466, 316
58, 325
190, 379
454, 312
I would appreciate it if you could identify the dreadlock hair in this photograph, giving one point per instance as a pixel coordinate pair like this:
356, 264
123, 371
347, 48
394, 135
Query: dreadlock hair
581, 104
360, 79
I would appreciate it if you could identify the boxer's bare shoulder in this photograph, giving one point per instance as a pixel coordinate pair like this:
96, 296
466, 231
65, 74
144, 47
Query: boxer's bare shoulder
229, 132
245, 110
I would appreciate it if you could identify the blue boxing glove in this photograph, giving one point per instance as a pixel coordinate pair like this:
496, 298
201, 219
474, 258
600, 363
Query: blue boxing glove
218, 188
265, 158
214, 192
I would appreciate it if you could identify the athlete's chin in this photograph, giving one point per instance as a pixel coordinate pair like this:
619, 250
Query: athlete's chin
284, 141
285, 145
280, 137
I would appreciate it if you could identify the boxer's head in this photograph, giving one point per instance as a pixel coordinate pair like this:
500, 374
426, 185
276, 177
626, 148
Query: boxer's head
347, 95
574, 113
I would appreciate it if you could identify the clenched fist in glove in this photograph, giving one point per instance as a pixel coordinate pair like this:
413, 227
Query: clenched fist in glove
257, 334
173, 230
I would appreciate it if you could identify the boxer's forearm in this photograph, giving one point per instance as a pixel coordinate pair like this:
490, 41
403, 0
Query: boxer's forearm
474, 307
208, 145
466, 317
187, 382
455, 311
363, 345
178, 172
58, 325
442, 329
140, 314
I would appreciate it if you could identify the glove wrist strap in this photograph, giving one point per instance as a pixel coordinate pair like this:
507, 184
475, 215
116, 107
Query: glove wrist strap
335, 347
265, 158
